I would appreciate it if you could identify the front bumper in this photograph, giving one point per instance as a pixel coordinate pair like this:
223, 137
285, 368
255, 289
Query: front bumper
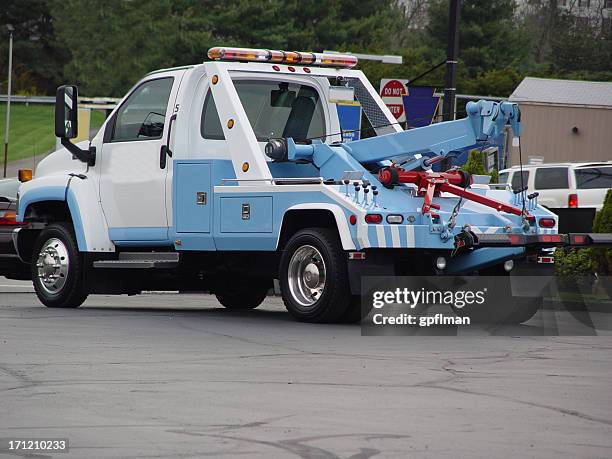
11, 265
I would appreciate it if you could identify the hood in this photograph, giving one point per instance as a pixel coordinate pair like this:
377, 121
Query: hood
61, 161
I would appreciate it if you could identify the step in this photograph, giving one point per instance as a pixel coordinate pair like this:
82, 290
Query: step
141, 260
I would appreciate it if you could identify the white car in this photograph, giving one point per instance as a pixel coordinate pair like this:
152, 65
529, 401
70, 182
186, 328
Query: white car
563, 185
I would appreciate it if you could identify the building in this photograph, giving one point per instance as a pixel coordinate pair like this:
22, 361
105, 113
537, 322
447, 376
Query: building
563, 120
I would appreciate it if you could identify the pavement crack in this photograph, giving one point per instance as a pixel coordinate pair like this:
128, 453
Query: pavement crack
457, 374
20, 376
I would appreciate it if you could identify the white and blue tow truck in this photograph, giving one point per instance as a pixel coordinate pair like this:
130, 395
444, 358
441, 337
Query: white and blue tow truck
226, 175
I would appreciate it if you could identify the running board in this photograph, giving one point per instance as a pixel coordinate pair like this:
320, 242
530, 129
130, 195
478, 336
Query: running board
144, 260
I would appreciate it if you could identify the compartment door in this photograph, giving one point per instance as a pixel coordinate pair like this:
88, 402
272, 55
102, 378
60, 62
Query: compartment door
192, 197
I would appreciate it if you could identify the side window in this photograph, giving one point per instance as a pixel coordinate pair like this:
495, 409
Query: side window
142, 115
282, 109
516, 179
549, 178
594, 177
502, 178
210, 125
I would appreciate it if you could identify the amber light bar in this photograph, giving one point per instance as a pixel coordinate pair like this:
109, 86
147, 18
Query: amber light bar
282, 57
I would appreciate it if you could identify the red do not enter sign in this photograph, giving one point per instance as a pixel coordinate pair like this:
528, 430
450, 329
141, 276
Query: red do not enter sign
393, 88
392, 92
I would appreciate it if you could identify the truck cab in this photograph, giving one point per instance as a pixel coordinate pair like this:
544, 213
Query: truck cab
260, 165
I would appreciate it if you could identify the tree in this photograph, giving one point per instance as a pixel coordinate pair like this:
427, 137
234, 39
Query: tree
581, 46
568, 41
307, 25
37, 56
489, 37
494, 82
118, 42
128, 41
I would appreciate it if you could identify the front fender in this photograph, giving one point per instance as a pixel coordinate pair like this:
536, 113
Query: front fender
80, 195
46, 188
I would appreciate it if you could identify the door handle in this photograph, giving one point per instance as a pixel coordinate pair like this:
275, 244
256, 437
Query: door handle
165, 151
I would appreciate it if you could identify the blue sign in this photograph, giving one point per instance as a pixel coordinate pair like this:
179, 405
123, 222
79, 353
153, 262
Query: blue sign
420, 106
349, 115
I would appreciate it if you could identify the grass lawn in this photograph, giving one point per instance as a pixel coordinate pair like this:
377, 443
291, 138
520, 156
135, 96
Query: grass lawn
31, 130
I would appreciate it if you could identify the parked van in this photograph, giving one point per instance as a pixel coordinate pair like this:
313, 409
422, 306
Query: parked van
564, 185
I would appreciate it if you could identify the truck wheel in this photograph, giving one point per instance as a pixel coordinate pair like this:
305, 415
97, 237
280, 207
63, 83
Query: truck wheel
241, 295
353, 312
506, 309
525, 309
510, 311
57, 268
313, 276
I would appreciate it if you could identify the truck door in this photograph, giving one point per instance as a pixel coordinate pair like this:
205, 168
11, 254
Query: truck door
132, 183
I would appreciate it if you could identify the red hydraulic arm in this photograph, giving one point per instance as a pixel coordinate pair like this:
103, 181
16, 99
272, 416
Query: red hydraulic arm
432, 183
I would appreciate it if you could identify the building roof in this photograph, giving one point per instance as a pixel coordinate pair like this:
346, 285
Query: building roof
563, 92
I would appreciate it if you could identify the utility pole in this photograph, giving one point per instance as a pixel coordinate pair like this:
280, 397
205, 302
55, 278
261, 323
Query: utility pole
8, 99
450, 79
452, 51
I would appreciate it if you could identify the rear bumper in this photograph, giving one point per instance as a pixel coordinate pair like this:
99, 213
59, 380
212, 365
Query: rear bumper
467, 239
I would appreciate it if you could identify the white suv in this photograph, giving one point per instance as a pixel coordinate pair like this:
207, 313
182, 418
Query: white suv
564, 185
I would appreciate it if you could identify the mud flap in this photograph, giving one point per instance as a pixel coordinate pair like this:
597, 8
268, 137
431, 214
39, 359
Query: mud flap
374, 264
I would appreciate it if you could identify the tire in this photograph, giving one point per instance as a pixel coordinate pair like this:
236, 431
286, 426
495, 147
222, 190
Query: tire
313, 276
242, 295
525, 309
353, 313
506, 309
58, 286
516, 312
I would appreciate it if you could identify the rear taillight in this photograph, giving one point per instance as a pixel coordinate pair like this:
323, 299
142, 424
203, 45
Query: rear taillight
546, 259
572, 201
373, 218
8, 217
547, 222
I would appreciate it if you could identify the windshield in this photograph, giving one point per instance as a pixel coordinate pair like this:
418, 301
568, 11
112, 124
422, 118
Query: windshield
594, 177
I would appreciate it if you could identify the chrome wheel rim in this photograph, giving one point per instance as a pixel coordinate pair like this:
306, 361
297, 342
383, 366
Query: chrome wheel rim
307, 275
52, 266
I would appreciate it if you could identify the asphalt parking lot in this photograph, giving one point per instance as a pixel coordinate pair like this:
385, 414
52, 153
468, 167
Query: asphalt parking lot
165, 375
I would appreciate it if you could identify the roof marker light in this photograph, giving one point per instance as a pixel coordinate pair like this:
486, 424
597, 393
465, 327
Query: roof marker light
220, 53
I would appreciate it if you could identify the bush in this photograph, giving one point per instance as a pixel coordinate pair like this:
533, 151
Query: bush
602, 258
475, 165
573, 263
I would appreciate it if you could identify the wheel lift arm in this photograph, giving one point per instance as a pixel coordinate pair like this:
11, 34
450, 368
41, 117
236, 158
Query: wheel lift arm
454, 182
485, 121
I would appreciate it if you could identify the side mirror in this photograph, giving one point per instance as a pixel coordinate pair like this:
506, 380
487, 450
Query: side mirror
66, 112
67, 124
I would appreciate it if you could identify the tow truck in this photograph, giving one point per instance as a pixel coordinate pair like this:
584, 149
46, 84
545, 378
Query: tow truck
226, 175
